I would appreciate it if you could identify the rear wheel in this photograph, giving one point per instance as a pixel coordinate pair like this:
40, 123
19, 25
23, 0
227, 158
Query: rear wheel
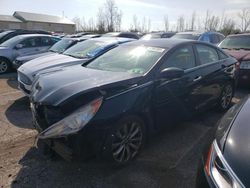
125, 141
4, 66
226, 97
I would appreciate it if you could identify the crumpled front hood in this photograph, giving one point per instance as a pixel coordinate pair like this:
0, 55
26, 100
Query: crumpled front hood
34, 66
239, 54
30, 57
54, 88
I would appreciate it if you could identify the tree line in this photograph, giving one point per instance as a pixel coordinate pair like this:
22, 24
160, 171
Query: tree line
109, 19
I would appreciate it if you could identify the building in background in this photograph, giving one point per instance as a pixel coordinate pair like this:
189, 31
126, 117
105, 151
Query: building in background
34, 21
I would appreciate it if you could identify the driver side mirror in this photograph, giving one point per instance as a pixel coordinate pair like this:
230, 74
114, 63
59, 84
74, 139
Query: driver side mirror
19, 46
172, 73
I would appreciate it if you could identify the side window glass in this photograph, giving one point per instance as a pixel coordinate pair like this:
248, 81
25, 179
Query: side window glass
222, 55
214, 39
205, 38
206, 54
182, 58
31, 42
45, 41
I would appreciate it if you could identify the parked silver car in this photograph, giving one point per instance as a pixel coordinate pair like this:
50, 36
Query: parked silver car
58, 47
22, 45
77, 54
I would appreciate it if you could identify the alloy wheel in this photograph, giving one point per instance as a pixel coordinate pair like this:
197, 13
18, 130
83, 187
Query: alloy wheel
3, 66
227, 95
127, 141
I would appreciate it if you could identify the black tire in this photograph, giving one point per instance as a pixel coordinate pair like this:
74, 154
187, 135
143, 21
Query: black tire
5, 65
125, 140
226, 97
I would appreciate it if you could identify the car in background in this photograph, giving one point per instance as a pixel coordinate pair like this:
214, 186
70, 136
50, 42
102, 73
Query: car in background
108, 105
77, 35
58, 47
238, 46
157, 35
210, 37
122, 34
6, 35
77, 54
22, 45
226, 161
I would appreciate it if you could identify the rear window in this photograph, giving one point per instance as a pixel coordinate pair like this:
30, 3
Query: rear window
236, 42
207, 54
186, 36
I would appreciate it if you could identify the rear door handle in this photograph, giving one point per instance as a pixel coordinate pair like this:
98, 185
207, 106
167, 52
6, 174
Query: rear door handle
197, 78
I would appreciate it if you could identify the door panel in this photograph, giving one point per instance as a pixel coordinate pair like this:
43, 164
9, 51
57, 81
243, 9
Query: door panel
211, 71
177, 98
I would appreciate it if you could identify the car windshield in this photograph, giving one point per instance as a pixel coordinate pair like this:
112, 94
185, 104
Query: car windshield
4, 33
186, 36
88, 48
239, 42
11, 41
132, 59
62, 45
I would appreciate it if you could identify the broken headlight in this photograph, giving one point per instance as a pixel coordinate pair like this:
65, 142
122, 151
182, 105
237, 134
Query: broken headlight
74, 122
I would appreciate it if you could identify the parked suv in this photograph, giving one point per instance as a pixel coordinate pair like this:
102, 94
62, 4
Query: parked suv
211, 37
23, 45
108, 105
238, 46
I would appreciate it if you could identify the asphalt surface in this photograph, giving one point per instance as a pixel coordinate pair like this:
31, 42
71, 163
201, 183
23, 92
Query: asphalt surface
169, 159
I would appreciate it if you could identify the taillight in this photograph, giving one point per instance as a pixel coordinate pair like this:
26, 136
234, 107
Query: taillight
237, 65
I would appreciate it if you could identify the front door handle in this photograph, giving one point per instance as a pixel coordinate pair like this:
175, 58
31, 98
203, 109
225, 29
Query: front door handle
197, 78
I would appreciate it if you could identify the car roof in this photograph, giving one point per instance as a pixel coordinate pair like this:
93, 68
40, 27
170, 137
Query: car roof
199, 32
34, 35
239, 35
113, 39
162, 43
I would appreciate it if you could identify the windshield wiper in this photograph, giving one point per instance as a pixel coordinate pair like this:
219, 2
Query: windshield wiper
224, 48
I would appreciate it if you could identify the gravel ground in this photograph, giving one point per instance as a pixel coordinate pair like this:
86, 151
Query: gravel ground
169, 160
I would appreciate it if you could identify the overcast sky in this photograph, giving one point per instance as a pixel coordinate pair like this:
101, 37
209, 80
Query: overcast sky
153, 9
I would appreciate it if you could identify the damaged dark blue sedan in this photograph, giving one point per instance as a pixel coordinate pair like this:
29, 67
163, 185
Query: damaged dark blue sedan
108, 106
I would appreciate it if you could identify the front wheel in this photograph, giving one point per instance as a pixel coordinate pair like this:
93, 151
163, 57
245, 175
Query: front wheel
4, 66
125, 140
226, 97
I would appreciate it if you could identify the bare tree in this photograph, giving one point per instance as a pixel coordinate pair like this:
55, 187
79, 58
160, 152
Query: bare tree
193, 20
112, 14
100, 21
149, 25
244, 15
166, 23
136, 24
143, 25
78, 23
228, 26
180, 23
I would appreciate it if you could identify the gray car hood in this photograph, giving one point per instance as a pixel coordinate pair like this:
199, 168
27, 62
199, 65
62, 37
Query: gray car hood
33, 67
26, 58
